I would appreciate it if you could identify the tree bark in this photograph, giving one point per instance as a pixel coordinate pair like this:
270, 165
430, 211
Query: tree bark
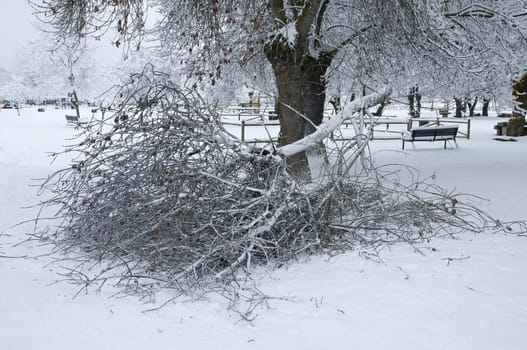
459, 107
485, 107
301, 87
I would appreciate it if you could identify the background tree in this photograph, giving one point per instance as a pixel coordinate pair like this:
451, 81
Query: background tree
5, 79
499, 30
68, 56
48, 70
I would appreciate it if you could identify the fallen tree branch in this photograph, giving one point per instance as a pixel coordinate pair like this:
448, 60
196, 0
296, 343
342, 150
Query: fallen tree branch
160, 196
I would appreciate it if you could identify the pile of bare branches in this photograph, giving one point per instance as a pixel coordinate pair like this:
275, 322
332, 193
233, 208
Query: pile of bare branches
161, 196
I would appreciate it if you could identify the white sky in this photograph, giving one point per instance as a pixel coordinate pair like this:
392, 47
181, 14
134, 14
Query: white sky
17, 27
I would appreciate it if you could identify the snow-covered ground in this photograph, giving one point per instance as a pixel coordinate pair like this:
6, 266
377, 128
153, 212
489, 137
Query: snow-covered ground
469, 293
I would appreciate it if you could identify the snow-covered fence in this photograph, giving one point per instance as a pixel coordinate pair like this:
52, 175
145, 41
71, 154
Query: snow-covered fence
381, 129
262, 126
247, 113
267, 130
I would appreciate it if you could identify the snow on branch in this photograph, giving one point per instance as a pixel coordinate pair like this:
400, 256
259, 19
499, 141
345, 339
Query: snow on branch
325, 129
476, 10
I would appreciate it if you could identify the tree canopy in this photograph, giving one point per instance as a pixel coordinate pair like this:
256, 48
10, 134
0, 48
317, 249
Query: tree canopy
226, 32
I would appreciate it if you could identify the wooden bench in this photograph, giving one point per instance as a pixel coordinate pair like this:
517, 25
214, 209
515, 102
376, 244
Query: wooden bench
501, 128
443, 112
430, 134
73, 120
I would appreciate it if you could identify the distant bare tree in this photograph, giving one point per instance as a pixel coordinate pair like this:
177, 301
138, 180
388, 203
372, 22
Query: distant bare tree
48, 70
68, 56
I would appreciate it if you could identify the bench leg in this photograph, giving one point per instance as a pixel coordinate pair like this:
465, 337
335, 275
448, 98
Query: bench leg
403, 144
455, 143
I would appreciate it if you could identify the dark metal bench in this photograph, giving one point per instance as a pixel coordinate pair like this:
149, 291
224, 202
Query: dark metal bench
430, 134
73, 120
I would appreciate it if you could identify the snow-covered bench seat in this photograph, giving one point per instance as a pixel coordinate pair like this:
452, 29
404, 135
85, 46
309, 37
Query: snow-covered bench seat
431, 134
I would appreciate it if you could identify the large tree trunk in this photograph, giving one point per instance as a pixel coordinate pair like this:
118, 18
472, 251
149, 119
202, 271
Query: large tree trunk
301, 90
519, 93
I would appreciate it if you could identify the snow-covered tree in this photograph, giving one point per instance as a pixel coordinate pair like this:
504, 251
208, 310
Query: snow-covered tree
5, 79
50, 71
499, 31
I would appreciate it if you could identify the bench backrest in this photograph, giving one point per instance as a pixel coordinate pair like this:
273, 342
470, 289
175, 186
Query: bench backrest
72, 118
438, 132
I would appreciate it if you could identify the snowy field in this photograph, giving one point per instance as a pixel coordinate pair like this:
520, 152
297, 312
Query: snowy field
469, 293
